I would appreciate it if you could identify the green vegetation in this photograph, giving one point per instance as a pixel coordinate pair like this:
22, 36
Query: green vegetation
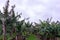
32, 37
12, 29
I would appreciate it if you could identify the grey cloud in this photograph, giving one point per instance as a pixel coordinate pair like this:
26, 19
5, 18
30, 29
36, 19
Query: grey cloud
37, 9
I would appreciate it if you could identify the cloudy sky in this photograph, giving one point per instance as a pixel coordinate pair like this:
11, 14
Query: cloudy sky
36, 9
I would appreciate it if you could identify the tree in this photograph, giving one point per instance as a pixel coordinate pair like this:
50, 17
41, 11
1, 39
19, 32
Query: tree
47, 29
8, 20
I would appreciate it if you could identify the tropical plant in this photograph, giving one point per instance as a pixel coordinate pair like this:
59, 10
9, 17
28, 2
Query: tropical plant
8, 21
48, 29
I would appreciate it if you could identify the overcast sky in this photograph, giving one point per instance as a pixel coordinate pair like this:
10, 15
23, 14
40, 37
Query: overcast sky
36, 9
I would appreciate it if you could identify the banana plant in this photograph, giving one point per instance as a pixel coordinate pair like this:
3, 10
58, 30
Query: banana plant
46, 28
8, 20
26, 29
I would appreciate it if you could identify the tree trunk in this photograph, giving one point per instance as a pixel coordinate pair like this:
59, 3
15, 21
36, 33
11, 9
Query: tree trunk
48, 38
4, 30
19, 37
54, 38
16, 37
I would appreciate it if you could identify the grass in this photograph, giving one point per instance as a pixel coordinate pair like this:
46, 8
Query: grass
32, 37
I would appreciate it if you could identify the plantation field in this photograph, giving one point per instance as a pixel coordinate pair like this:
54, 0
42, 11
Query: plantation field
12, 29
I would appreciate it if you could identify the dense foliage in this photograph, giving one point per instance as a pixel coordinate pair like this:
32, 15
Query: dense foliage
12, 29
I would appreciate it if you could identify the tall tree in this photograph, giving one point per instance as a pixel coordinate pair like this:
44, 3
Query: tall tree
8, 20
3, 19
